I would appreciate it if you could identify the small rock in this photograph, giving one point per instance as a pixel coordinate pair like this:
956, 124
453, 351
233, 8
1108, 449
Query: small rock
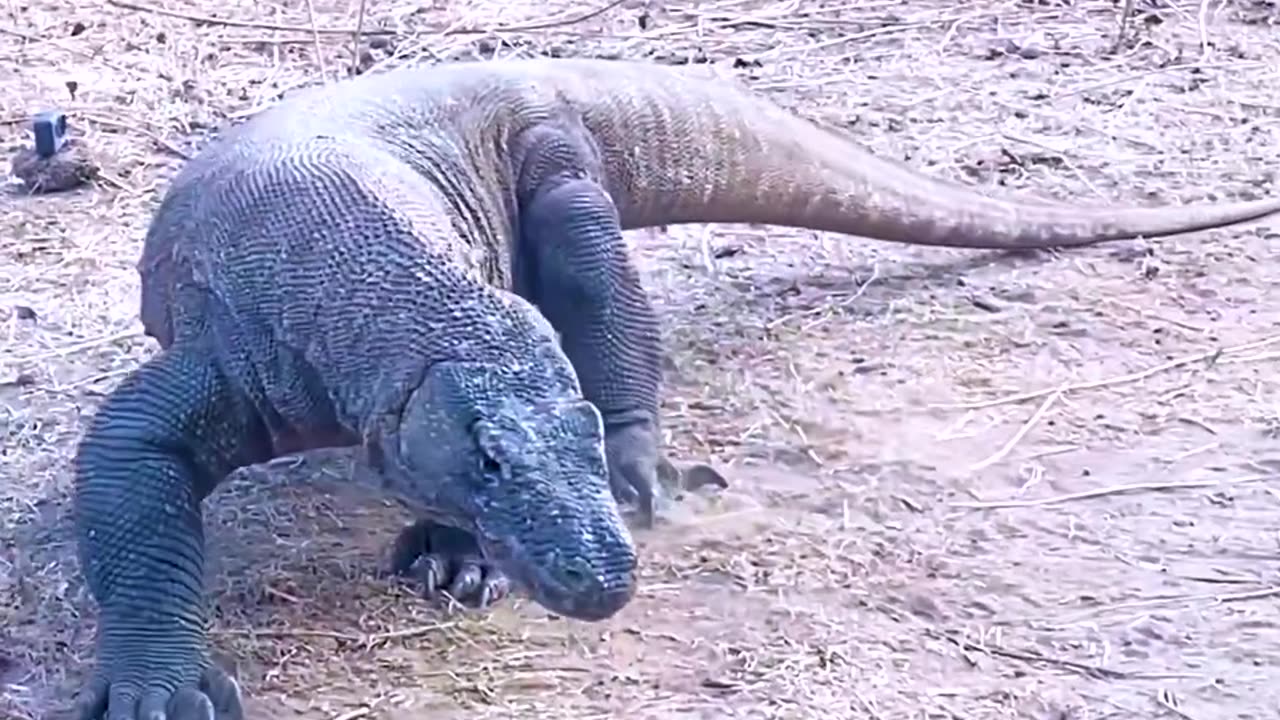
20, 380
1147, 629
924, 606
699, 476
1029, 48
985, 304
366, 62
1023, 295
692, 478
9, 668
70, 167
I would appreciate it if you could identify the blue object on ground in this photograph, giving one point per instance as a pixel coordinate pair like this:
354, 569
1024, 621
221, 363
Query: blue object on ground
50, 128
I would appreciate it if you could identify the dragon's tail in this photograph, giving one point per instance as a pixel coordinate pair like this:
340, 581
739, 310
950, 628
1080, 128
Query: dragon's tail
680, 149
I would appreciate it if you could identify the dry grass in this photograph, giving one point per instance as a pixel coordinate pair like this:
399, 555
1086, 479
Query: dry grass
856, 391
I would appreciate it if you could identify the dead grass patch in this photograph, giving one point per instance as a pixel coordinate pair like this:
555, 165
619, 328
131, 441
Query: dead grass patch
848, 385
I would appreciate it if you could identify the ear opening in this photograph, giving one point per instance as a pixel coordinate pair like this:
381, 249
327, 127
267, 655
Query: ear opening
489, 438
434, 431
581, 418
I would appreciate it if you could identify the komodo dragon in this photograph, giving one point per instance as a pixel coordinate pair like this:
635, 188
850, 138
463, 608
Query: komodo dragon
386, 262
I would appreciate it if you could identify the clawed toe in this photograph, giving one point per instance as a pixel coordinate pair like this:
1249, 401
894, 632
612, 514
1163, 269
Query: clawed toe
217, 698
187, 704
217, 688
447, 561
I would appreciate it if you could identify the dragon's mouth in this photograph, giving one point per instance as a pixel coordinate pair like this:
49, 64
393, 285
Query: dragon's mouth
574, 595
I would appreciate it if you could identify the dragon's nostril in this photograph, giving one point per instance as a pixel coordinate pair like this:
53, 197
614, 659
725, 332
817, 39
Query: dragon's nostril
579, 577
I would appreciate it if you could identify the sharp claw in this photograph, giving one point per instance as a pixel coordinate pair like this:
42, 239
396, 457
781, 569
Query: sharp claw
642, 483
646, 507
495, 588
432, 575
408, 547
446, 560
92, 703
191, 704
153, 705
622, 492
402, 565
467, 581
668, 474
224, 692
122, 701
427, 576
634, 467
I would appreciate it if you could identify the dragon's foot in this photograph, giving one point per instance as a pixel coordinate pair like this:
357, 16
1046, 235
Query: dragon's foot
634, 462
446, 559
643, 479
132, 697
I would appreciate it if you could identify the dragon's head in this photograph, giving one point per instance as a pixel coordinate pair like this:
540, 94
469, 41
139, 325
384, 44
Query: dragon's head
528, 477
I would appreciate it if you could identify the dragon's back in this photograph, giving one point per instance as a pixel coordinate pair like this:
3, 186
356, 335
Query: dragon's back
314, 251
423, 148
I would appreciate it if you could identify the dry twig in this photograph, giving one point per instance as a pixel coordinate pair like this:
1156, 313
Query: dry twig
1003, 452
1208, 355
1114, 490
1125, 13
315, 39
571, 19
356, 39
1202, 24
1031, 657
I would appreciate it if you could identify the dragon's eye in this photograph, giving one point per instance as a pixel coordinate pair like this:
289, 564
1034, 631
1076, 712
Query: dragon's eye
490, 466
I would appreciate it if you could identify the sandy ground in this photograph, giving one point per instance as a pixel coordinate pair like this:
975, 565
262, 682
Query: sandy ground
871, 404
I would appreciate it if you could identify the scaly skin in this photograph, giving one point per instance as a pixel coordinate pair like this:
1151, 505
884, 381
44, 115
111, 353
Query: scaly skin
387, 261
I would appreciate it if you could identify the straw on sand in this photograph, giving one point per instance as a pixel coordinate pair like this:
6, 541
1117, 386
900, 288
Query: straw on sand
961, 484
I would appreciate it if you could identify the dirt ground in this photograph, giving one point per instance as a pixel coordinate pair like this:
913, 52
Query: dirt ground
963, 484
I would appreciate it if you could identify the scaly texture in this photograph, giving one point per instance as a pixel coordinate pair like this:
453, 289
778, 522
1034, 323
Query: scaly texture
387, 262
